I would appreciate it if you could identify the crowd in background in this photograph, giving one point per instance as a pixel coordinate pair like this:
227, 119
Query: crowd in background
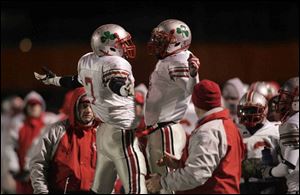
24, 119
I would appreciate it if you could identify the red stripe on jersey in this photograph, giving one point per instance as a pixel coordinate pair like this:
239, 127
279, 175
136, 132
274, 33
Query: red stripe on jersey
186, 76
181, 70
178, 67
261, 144
115, 72
167, 140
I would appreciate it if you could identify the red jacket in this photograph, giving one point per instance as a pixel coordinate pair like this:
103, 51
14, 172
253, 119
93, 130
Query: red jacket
29, 130
69, 160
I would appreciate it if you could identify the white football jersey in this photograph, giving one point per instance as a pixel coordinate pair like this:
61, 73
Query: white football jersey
95, 73
267, 136
170, 89
190, 119
289, 140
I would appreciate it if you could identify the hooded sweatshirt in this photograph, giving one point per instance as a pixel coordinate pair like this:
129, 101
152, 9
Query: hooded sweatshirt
66, 158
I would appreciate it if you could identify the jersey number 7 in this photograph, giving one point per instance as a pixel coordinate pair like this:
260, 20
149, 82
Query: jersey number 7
89, 81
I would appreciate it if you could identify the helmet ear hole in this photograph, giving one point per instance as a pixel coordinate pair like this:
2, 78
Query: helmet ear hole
113, 49
295, 106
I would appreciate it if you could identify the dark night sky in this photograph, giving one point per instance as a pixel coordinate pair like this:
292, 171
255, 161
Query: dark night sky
210, 21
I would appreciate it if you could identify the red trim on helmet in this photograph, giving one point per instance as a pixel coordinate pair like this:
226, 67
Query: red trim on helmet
129, 49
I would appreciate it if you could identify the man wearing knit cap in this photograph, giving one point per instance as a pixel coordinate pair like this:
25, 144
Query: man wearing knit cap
215, 150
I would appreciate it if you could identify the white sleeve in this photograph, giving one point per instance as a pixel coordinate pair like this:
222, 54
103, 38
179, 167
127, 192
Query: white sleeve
288, 164
10, 151
117, 68
79, 79
204, 157
179, 73
289, 138
42, 155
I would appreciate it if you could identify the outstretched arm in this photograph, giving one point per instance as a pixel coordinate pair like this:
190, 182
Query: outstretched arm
50, 78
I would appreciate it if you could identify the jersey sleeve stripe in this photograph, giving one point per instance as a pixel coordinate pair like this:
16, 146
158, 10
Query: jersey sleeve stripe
184, 76
182, 70
291, 143
115, 72
289, 136
290, 133
178, 68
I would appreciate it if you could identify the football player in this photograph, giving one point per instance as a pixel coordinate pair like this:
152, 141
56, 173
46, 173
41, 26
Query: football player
108, 80
259, 136
170, 88
288, 106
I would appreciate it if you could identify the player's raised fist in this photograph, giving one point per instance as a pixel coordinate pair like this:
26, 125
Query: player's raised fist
194, 64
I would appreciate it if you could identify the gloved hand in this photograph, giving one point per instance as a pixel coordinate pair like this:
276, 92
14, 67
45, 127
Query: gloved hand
266, 172
251, 168
49, 78
127, 89
169, 160
194, 65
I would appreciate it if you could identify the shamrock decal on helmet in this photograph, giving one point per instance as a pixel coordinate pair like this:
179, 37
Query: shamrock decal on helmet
107, 36
182, 30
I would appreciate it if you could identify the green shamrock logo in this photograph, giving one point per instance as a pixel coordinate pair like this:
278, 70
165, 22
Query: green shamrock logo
107, 36
182, 30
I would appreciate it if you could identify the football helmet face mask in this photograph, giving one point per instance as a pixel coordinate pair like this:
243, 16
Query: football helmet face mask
288, 97
112, 40
252, 109
169, 37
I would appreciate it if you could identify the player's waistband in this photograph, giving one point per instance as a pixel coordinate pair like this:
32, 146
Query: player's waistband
152, 128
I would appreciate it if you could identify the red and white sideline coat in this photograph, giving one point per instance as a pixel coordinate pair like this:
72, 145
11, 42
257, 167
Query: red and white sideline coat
215, 154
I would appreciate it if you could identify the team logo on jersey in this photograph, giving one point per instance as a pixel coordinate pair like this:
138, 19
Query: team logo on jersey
107, 36
182, 30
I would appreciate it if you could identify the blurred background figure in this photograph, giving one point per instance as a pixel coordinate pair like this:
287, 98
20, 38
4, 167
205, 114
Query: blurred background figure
232, 92
270, 91
65, 109
259, 136
139, 97
20, 140
288, 106
140, 93
273, 115
11, 119
267, 89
